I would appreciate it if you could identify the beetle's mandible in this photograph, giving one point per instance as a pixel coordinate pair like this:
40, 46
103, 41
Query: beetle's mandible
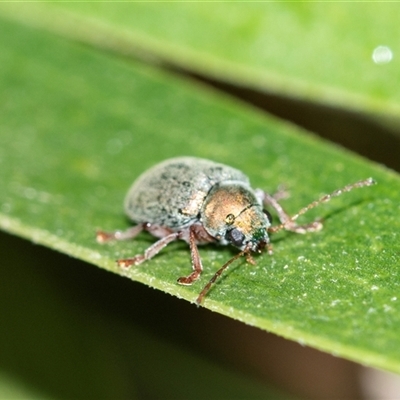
201, 201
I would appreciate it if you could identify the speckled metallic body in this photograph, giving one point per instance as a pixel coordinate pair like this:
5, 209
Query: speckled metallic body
184, 191
172, 192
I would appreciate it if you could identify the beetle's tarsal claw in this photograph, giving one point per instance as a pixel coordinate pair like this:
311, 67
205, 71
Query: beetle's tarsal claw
103, 237
127, 262
250, 259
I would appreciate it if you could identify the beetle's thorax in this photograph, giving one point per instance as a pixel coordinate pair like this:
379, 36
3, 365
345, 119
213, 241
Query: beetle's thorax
232, 214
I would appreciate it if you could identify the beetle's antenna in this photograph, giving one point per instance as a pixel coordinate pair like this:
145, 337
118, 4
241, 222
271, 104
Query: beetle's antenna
323, 199
217, 275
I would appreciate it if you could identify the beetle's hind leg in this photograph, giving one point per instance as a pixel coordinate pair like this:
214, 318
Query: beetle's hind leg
103, 237
150, 252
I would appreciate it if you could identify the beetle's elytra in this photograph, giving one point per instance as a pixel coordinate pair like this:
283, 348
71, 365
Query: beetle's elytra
201, 201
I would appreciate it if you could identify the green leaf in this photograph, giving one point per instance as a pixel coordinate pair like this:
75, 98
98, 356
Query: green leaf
79, 125
61, 340
323, 51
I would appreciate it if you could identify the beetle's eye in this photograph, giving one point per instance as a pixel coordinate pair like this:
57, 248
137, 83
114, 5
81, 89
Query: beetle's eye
269, 216
235, 237
230, 219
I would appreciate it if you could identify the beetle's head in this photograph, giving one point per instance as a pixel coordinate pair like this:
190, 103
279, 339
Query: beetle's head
232, 214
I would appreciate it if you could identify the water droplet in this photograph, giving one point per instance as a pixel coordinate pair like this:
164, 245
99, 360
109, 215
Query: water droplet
382, 55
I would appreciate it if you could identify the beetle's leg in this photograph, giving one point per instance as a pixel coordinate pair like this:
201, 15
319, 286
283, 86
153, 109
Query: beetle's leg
102, 236
286, 219
288, 222
149, 252
196, 260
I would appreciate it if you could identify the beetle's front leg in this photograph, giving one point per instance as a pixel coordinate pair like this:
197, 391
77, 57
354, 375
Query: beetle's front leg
286, 220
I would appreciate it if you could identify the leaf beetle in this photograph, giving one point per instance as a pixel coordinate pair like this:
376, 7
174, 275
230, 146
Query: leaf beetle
202, 201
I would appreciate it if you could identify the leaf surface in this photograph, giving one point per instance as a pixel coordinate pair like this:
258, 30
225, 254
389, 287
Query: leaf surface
79, 125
